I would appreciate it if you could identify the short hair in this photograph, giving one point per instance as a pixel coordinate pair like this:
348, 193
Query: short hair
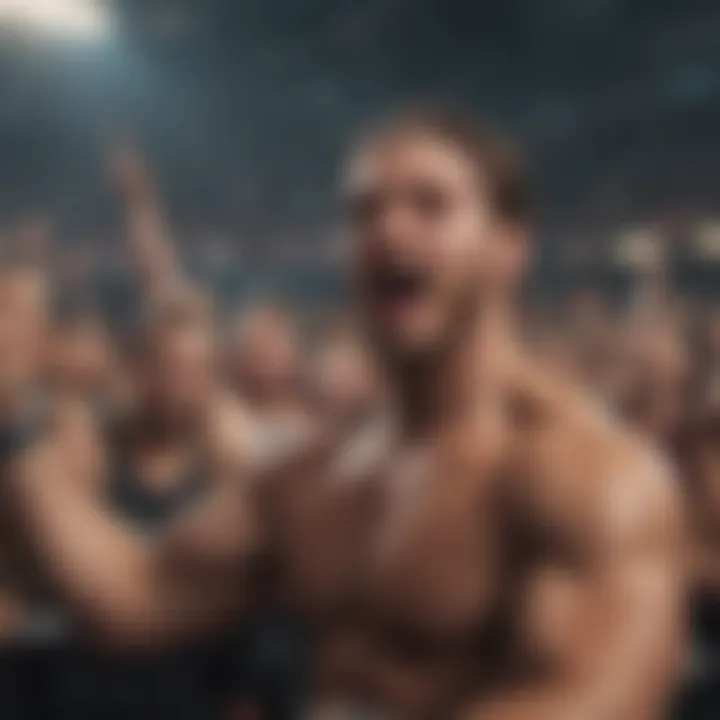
496, 158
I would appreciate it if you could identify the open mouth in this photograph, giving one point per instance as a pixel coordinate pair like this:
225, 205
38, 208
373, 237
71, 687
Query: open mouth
399, 285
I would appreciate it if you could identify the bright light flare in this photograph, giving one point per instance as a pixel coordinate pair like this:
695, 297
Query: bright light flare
72, 19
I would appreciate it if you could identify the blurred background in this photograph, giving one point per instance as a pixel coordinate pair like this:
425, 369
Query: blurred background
244, 109
241, 110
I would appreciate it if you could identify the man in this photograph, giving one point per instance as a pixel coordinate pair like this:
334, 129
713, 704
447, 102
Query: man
342, 377
23, 339
24, 401
657, 389
173, 302
32, 631
162, 451
24, 325
263, 365
82, 360
495, 549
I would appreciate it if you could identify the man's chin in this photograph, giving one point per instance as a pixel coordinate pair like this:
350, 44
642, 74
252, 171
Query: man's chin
408, 349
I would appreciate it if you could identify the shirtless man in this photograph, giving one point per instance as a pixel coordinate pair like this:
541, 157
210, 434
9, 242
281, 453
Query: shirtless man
341, 376
82, 358
23, 339
180, 329
263, 365
497, 548
165, 449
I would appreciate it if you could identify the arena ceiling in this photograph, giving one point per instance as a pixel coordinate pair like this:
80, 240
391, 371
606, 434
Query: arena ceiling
245, 105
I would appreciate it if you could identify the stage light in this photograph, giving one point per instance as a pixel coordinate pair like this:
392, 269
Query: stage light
72, 19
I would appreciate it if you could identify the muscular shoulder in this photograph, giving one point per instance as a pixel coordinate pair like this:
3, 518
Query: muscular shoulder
588, 477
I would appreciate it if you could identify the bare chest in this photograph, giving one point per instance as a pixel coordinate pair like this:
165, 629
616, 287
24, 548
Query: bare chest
411, 546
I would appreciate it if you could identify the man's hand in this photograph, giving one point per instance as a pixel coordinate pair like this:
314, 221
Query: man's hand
148, 236
129, 173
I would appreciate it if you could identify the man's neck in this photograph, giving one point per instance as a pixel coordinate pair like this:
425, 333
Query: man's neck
455, 386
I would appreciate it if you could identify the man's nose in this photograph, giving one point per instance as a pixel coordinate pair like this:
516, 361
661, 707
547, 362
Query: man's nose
397, 231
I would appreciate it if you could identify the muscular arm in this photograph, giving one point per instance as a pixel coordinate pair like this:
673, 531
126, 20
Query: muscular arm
126, 590
149, 240
606, 630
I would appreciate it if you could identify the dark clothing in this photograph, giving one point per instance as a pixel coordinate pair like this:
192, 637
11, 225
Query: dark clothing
699, 698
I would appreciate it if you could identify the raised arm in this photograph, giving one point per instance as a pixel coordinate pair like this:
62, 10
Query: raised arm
605, 628
148, 236
129, 591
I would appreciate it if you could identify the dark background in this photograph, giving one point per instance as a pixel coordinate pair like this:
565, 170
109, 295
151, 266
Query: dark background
245, 107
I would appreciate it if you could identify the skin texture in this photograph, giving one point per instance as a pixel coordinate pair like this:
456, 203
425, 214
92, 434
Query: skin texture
23, 328
497, 548
576, 561
175, 388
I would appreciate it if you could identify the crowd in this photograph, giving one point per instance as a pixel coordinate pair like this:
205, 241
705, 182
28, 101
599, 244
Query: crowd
149, 373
